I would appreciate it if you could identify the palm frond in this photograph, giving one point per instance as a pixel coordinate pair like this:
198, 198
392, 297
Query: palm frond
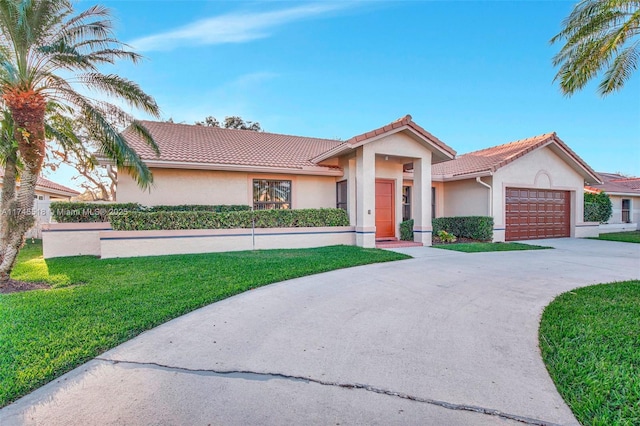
620, 70
596, 34
122, 88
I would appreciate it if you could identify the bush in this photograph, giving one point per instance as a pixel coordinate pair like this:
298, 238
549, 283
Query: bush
406, 230
597, 207
199, 208
170, 220
68, 212
478, 228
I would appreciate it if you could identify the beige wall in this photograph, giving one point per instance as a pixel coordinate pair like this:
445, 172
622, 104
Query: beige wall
154, 243
465, 198
616, 205
72, 239
177, 186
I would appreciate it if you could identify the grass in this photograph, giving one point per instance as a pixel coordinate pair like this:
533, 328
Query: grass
590, 342
97, 304
484, 247
625, 237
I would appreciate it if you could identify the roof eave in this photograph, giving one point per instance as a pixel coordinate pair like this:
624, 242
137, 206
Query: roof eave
305, 170
464, 176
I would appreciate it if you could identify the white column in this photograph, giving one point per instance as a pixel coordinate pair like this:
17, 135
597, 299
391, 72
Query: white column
422, 198
366, 197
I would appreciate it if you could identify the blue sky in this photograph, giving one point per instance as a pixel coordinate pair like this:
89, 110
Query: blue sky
473, 73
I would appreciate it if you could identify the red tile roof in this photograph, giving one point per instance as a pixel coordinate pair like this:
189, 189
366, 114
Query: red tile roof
43, 185
213, 145
491, 159
614, 183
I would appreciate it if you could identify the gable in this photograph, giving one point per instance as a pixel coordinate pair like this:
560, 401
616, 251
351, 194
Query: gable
543, 168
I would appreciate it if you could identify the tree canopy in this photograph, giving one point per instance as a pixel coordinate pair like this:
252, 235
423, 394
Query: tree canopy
230, 122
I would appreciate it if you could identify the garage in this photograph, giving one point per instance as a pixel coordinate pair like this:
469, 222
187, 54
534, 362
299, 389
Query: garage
537, 213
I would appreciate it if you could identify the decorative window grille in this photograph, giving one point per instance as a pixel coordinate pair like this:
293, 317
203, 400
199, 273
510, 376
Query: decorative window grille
271, 194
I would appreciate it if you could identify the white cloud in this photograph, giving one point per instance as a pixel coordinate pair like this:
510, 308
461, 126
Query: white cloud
236, 27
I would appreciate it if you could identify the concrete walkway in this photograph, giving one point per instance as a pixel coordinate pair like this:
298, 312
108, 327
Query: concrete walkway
445, 338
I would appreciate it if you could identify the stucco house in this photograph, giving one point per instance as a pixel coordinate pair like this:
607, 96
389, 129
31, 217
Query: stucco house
624, 193
46, 192
531, 187
381, 177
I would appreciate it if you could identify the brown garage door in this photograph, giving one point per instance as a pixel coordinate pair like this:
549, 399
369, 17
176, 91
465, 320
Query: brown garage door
537, 213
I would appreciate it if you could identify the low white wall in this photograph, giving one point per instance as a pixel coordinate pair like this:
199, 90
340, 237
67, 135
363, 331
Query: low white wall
587, 230
72, 239
155, 243
606, 228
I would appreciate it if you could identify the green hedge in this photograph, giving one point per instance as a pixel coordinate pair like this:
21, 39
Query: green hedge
169, 220
406, 230
68, 212
475, 227
199, 208
597, 207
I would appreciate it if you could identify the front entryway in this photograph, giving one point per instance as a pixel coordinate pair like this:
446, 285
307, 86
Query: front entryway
385, 209
537, 213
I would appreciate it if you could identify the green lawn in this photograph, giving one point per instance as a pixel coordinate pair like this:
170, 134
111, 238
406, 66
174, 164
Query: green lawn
625, 237
590, 342
484, 247
97, 304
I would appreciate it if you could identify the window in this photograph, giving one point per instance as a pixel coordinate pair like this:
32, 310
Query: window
433, 202
341, 195
406, 203
271, 194
626, 211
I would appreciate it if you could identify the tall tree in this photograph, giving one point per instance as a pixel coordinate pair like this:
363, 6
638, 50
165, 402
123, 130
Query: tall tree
47, 53
230, 122
599, 35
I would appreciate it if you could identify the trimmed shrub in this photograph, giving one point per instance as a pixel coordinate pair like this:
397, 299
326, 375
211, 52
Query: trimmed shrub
474, 227
597, 207
171, 220
199, 208
69, 212
406, 230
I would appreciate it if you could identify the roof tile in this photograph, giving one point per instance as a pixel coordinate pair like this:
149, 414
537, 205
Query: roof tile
491, 159
214, 145
615, 183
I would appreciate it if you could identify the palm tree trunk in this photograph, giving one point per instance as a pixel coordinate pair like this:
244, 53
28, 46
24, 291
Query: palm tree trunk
27, 109
18, 221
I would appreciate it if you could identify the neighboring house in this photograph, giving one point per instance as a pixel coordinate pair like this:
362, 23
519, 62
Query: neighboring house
624, 193
46, 192
533, 188
380, 178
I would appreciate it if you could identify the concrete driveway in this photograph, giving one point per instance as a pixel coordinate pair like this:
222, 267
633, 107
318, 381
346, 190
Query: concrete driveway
445, 338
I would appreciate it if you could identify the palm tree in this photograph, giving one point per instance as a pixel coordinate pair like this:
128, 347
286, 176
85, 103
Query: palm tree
48, 55
599, 35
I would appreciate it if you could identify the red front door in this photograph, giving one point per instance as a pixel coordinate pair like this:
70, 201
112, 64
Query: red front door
385, 209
